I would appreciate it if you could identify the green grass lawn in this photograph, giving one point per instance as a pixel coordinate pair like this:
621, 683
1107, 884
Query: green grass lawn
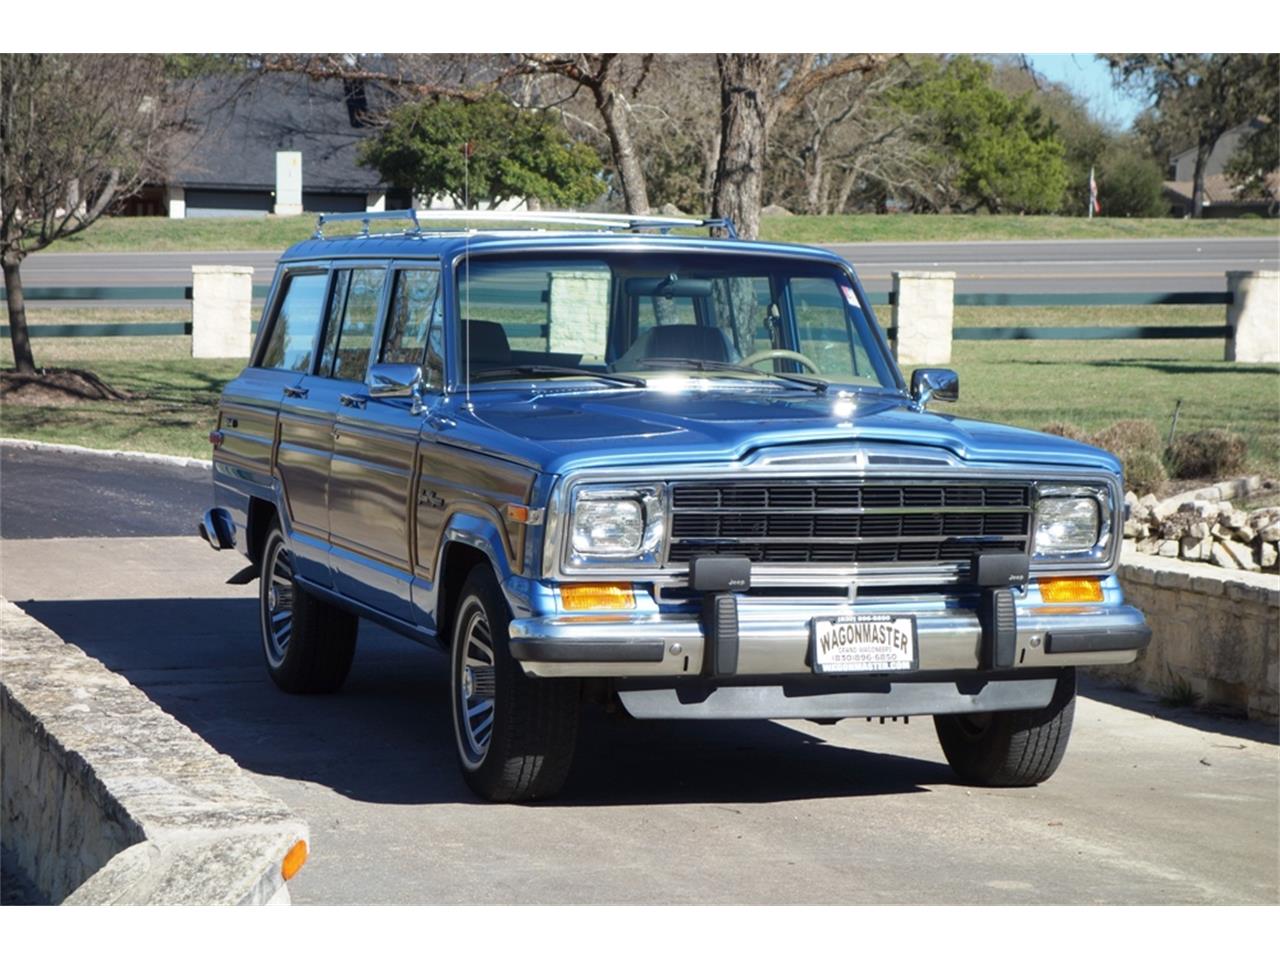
277, 233
1090, 384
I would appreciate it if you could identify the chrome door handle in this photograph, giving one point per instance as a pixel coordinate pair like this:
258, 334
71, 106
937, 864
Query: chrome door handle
297, 393
350, 400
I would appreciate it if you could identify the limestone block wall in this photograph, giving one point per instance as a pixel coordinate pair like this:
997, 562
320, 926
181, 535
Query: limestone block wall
106, 799
1216, 631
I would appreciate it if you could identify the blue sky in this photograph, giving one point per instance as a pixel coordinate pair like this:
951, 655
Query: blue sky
1091, 79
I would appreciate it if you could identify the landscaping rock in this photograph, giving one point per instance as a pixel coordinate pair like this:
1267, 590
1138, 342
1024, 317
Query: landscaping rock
1270, 533
1233, 519
1193, 548
1268, 555
1167, 548
1241, 554
1218, 554
1135, 530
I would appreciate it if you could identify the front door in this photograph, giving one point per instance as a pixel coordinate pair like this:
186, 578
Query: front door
371, 480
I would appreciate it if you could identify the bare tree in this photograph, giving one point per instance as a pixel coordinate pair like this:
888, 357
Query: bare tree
756, 90
847, 136
77, 135
604, 75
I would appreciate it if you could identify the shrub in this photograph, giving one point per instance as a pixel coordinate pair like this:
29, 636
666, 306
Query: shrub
1071, 432
1143, 472
1206, 453
1125, 436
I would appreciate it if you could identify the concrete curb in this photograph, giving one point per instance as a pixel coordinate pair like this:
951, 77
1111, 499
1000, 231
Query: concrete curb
109, 800
138, 456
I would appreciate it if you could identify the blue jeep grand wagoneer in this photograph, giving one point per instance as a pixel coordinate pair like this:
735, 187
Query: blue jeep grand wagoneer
682, 474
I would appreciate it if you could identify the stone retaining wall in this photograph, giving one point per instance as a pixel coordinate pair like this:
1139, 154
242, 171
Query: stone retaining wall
105, 798
1215, 632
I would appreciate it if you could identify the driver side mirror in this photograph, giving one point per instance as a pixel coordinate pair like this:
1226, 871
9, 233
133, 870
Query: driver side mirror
388, 380
934, 383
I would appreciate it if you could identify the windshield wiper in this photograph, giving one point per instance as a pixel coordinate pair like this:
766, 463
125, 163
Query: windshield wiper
689, 363
548, 370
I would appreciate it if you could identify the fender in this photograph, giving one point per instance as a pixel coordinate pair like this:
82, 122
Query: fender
482, 533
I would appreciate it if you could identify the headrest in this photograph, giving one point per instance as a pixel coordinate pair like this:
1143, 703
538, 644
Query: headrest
686, 340
489, 344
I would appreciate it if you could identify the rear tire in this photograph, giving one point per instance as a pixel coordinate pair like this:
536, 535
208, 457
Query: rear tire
514, 734
308, 643
1012, 748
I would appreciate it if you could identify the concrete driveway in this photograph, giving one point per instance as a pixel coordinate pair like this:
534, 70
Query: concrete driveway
1151, 806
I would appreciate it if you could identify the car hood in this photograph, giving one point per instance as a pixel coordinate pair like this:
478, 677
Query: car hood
560, 431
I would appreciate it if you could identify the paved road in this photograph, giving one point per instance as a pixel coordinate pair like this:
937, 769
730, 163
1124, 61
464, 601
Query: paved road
1150, 806
49, 494
1019, 266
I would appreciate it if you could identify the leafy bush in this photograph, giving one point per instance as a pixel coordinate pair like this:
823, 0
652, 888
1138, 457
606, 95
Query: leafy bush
1206, 453
1143, 472
1125, 436
1070, 431
1137, 444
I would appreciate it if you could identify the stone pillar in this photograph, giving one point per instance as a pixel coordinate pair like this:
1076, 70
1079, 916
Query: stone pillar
1253, 316
221, 300
577, 304
175, 199
288, 183
923, 312
375, 201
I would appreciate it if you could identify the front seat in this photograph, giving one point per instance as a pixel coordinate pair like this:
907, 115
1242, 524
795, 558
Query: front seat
488, 344
678, 340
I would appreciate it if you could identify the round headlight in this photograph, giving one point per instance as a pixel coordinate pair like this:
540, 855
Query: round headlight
1066, 525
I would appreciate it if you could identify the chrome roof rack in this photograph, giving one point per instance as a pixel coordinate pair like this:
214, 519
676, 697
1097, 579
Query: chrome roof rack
603, 221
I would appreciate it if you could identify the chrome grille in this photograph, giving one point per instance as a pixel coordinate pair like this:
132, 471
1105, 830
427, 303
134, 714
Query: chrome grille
843, 523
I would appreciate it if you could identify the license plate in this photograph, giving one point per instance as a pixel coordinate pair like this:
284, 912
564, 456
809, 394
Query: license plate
864, 643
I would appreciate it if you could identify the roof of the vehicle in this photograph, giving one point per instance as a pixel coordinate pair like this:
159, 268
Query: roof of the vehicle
447, 245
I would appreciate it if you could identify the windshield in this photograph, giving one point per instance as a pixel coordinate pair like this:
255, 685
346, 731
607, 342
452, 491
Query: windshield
619, 317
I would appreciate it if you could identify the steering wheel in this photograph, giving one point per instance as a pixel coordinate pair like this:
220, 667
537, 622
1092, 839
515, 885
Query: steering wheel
779, 355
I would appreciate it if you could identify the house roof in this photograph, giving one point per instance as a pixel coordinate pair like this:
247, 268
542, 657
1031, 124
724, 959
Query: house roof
1218, 189
240, 122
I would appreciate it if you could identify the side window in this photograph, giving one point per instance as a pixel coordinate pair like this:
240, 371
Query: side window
823, 327
357, 294
412, 301
293, 333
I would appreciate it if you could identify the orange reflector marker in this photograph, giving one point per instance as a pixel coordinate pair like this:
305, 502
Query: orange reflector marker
1071, 590
293, 860
518, 512
597, 596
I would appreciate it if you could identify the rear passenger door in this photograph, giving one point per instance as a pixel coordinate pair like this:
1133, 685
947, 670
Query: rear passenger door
375, 440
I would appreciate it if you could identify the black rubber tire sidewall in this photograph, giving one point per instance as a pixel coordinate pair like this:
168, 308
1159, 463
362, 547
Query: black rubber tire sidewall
1018, 748
535, 720
323, 640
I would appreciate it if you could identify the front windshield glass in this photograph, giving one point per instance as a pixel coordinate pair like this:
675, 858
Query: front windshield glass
733, 319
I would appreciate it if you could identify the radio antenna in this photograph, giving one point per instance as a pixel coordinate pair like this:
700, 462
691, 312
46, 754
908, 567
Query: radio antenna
466, 247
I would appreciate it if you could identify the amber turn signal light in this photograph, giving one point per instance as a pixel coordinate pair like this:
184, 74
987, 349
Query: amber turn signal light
597, 596
293, 860
1071, 590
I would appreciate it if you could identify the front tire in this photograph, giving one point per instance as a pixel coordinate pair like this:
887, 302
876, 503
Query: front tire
1012, 748
515, 735
308, 643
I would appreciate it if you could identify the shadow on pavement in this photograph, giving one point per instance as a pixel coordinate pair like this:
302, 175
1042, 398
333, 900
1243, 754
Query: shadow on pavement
1198, 718
386, 737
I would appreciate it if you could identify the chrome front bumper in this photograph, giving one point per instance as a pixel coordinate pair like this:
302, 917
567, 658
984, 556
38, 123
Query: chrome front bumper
773, 639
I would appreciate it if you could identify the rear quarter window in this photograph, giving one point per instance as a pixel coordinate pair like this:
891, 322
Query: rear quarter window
292, 342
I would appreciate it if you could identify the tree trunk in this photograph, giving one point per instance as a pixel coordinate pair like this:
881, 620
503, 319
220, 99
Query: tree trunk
22, 358
744, 129
617, 125
1203, 149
